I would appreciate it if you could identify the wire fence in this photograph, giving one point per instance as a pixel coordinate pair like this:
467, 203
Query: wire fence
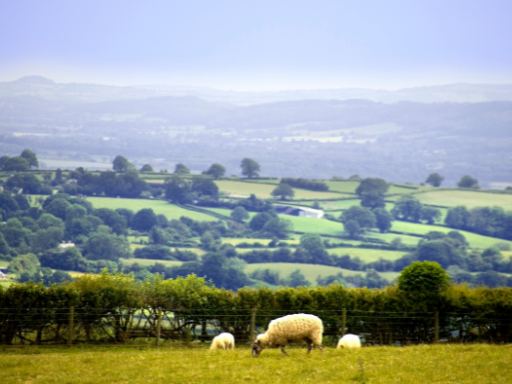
153, 325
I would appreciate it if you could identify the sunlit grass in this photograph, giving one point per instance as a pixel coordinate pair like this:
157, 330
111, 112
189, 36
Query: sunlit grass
415, 364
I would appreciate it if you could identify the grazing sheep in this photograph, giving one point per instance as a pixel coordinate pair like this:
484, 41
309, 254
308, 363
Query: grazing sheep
225, 340
297, 327
349, 341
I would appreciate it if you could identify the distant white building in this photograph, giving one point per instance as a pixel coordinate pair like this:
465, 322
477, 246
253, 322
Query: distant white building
67, 245
3, 276
300, 211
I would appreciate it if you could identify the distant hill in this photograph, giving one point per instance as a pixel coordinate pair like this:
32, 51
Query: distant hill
302, 133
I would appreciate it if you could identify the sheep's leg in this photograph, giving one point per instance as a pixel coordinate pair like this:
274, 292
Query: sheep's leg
282, 350
310, 345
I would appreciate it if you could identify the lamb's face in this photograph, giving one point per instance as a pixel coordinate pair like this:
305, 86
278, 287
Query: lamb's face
256, 349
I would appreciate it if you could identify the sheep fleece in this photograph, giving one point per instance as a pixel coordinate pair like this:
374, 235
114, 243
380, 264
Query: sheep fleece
296, 327
223, 341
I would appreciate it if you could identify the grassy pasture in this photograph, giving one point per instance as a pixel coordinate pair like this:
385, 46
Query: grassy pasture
171, 211
312, 225
367, 255
462, 364
310, 271
150, 262
470, 199
342, 186
4, 263
475, 240
236, 188
389, 237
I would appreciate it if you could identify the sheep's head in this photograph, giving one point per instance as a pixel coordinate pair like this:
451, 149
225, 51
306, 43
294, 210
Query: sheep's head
258, 345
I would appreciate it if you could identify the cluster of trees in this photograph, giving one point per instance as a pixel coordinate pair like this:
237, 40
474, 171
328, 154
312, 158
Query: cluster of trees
313, 185
487, 221
25, 161
357, 220
398, 314
408, 208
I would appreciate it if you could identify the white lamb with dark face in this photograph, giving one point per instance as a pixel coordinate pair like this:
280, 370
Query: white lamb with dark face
225, 340
298, 327
349, 341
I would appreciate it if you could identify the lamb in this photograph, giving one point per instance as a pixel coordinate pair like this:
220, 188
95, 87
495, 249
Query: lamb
349, 341
296, 327
225, 340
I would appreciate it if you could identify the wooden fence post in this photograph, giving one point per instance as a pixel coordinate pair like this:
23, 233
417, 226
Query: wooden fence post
71, 325
436, 326
252, 330
158, 326
343, 321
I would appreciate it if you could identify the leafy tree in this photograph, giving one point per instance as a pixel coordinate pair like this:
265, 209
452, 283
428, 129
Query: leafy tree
205, 187
239, 214
259, 220
69, 259
371, 191
115, 220
457, 217
104, 245
250, 168
276, 227
297, 279
8, 204
434, 179
266, 275
216, 171
363, 217
14, 232
31, 158
209, 241
58, 207
430, 214
283, 191
407, 208
28, 263
383, 219
146, 168
121, 164
222, 271
181, 169
468, 182
4, 247
16, 164
144, 220
30, 184
313, 244
353, 229
178, 189
423, 283
46, 238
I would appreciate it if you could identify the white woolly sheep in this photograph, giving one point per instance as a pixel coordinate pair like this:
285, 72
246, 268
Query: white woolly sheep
349, 341
297, 327
225, 340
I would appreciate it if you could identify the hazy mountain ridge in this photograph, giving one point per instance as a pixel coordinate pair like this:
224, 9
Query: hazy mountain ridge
328, 137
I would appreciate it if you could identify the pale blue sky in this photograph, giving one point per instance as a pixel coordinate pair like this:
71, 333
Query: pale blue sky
258, 44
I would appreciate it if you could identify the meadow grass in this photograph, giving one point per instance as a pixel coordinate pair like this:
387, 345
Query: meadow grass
170, 211
464, 364
310, 271
367, 255
236, 188
150, 262
4, 263
312, 225
389, 237
470, 199
474, 239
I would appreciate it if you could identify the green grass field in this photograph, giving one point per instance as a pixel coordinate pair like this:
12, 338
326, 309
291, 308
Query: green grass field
311, 225
149, 262
367, 255
475, 240
460, 364
171, 211
470, 199
236, 188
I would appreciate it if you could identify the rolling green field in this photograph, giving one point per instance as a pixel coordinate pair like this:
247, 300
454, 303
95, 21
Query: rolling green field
170, 211
236, 188
475, 240
311, 225
367, 255
470, 199
149, 262
461, 364
310, 271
